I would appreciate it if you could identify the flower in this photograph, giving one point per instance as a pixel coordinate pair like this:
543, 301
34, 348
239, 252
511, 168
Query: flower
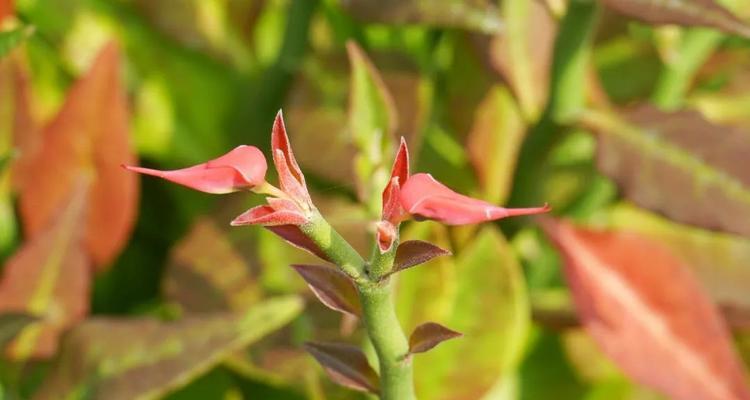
392, 212
425, 198
243, 168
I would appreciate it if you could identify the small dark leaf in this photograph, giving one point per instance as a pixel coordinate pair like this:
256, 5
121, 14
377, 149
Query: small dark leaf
346, 365
294, 236
429, 335
332, 287
11, 324
414, 252
682, 12
678, 164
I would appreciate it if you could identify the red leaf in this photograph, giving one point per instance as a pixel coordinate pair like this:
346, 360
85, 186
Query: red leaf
649, 314
429, 335
88, 137
294, 236
332, 287
268, 216
291, 179
414, 252
345, 365
49, 278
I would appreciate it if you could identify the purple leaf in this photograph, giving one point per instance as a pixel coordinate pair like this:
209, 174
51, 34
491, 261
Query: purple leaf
346, 365
332, 287
429, 335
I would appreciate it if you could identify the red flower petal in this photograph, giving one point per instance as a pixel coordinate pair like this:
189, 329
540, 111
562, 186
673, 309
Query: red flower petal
242, 168
291, 179
392, 210
423, 196
268, 216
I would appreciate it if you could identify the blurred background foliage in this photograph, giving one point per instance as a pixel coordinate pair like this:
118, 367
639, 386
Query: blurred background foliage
509, 101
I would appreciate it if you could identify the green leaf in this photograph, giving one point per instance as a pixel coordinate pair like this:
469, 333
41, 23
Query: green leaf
481, 294
143, 358
12, 38
678, 164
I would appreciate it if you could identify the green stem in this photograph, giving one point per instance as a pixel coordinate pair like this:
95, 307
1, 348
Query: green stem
379, 313
676, 77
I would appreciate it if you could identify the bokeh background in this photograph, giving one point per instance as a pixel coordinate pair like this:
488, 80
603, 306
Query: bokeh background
117, 286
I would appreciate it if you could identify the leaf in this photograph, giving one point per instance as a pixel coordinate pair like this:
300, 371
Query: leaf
107, 358
678, 164
415, 252
718, 260
88, 137
648, 313
494, 142
480, 293
12, 38
372, 125
205, 273
11, 324
346, 365
478, 15
682, 12
429, 335
48, 277
332, 287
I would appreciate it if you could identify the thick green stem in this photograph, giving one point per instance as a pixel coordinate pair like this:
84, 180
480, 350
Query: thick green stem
379, 314
674, 81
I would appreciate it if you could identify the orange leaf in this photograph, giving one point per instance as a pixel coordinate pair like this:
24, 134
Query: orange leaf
88, 137
649, 314
48, 278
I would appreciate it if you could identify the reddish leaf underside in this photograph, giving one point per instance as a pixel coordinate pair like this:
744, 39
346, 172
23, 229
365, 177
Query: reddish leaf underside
332, 287
648, 313
429, 335
414, 252
88, 137
48, 278
345, 364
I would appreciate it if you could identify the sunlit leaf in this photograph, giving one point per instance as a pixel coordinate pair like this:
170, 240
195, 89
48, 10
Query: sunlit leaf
682, 12
372, 124
332, 287
206, 273
429, 335
415, 252
49, 277
106, 358
494, 142
11, 324
678, 164
12, 38
479, 293
346, 365
649, 314
88, 137
479, 15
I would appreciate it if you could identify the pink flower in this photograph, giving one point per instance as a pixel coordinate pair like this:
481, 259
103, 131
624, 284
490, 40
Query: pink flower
425, 198
241, 169
393, 213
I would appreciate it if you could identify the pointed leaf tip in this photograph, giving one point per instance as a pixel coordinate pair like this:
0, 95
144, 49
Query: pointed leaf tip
415, 252
345, 364
429, 335
332, 287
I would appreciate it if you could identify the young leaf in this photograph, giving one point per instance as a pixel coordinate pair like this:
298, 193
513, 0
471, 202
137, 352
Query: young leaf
119, 359
48, 277
346, 365
332, 287
205, 273
647, 312
87, 138
682, 12
678, 164
414, 252
11, 324
429, 335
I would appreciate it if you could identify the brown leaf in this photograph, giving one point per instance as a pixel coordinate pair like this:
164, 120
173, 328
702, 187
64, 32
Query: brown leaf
429, 335
414, 252
346, 365
332, 287
649, 314
678, 164
206, 273
682, 12
88, 137
48, 278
